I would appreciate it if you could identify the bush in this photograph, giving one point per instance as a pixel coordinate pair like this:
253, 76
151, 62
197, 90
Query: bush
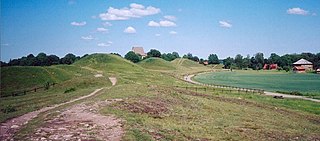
8, 109
70, 90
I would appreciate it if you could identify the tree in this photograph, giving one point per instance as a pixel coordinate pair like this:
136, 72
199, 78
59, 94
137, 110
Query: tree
53, 60
133, 57
68, 59
31, 60
274, 59
3, 64
259, 60
213, 59
246, 62
228, 62
175, 54
238, 60
195, 58
154, 53
42, 59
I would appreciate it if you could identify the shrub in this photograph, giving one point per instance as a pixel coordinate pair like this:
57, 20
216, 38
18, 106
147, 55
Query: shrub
8, 109
70, 90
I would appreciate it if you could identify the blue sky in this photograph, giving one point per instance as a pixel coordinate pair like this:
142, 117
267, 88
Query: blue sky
225, 28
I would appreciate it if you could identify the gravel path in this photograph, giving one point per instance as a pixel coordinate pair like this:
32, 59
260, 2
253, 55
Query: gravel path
188, 79
11, 126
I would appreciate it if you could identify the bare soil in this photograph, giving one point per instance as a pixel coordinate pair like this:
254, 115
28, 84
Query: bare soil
80, 122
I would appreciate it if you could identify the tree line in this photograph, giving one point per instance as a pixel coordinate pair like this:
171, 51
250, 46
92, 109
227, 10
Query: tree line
212, 58
42, 59
257, 61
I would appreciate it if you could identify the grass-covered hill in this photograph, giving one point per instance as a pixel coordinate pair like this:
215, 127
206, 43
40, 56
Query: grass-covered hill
108, 63
25, 77
186, 63
156, 64
156, 106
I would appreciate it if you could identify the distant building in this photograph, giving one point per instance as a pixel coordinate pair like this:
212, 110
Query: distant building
302, 66
205, 63
270, 66
139, 50
318, 71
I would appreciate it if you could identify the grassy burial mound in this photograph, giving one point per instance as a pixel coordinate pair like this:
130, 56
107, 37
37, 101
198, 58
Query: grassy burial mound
108, 63
19, 78
186, 63
156, 64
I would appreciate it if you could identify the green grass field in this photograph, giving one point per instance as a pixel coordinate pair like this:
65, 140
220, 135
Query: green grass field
307, 84
154, 109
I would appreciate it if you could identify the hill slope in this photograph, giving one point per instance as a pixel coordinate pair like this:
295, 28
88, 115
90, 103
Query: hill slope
156, 64
185, 63
22, 77
108, 63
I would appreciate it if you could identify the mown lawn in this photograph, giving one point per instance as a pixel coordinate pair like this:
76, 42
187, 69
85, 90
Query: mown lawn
307, 84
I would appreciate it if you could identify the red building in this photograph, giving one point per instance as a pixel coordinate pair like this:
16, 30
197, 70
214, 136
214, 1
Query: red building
270, 66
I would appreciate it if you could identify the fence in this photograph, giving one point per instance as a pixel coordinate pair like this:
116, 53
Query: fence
24, 92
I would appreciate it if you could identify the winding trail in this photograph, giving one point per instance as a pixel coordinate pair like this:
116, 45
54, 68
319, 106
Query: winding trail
188, 79
11, 126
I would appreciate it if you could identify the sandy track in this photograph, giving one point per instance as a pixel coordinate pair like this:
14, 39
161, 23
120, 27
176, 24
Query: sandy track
11, 126
188, 79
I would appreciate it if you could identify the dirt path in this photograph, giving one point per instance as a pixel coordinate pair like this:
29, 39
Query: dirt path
11, 126
80, 122
188, 79
113, 80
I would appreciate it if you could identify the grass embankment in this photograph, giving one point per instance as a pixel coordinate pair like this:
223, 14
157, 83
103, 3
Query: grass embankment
152, 109
304, 84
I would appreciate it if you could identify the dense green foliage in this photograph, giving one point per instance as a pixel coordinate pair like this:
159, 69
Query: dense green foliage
154, 53
213, 59
257, 61
133, 57
42, 59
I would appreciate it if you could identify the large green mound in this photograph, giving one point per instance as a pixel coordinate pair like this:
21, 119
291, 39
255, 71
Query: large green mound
24, 77
108, 62
156, 64
185, 63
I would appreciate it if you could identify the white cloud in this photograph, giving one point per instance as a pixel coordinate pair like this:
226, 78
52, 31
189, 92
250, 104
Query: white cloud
105, 44
101, 29
130, 29
87, 37
225, 24
135, 11
157, 35
164, 23
171, 18
154, 24
297, 11
167, 23
136, 6
314, 14
106, 24
78, 23
173, 32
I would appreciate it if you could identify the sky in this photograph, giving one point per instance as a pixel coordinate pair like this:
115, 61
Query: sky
200, 27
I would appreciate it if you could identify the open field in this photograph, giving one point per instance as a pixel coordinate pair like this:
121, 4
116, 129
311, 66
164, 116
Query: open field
306, 84
152, 108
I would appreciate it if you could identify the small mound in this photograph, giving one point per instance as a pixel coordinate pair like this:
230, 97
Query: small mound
185, 63
156, 64
108, 62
